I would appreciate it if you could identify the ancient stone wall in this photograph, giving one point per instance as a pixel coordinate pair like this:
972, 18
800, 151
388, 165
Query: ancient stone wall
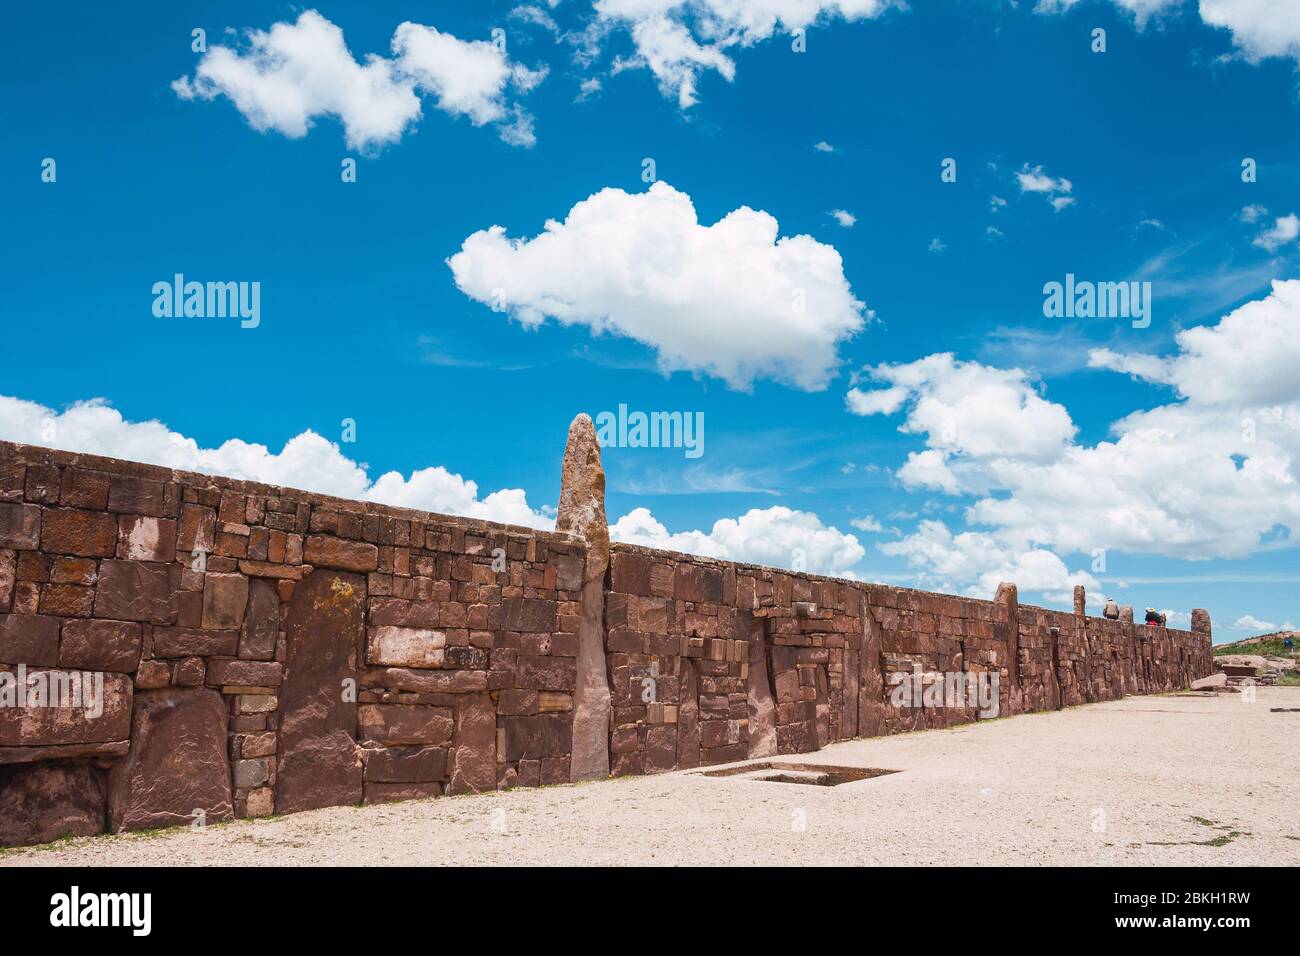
269, 650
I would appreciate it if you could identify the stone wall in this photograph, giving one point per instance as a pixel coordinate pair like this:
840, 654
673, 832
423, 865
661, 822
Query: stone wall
269, 650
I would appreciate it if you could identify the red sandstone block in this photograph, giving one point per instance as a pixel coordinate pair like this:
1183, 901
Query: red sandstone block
101, 646
77, 532
84, 489
142, 496
340, 553
67, 600
29, 639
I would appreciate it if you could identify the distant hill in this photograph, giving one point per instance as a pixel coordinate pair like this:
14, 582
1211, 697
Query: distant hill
1262, 644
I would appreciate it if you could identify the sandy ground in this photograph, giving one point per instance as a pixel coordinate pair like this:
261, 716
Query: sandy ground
1146, 780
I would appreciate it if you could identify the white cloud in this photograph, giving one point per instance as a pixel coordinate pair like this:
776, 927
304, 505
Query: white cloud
1142, 10
777, 537
1056, 190
1285, 229
679, 39
823, 147
1211, 475
867, 523
936, 245
843, 217
1249, 358
968, 408
1260, 28
294, 73
1248, 622
307, 461
974, 563
1253, 212
997, 203
731, 300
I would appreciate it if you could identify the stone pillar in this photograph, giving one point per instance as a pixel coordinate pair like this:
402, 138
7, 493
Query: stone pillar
1080, 600
1006, 629
1126, 614
1201, 621
582, 513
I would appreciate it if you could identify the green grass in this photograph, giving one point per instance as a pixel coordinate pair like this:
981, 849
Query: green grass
1271, 647
1289, 679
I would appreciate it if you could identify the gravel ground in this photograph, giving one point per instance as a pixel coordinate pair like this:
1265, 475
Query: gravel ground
1167, 780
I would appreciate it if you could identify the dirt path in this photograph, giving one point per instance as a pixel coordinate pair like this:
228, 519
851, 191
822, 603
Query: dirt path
1146, 780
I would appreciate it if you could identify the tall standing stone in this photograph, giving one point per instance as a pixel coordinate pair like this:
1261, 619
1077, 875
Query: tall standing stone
1006, 630
320, 763
1080, 600
582, 513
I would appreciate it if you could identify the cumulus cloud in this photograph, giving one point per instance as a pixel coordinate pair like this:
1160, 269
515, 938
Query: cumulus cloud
1248, 622
1056, 190
974, 563
1260, 28
289, 76
732, 299
307, 461
1284, 230
1249, 358
776, 537
843, 217
677, 40
967, 408
1213, 474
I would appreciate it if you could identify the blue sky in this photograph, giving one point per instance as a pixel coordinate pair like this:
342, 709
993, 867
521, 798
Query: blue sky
1019, 457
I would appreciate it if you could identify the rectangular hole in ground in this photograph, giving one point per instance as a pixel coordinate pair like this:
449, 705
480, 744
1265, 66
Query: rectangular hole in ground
817, 775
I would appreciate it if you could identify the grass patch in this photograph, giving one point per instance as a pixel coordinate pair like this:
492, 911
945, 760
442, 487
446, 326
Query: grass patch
1272, 647
1289, 679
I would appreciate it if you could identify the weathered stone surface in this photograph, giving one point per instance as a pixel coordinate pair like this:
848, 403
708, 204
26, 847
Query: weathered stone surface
405, 764
1210, 683
225, 598
320, 765
29, 639
8, 575
177, 763
406, 647
137, 591
871, 686
698, 583
143, 538
392, 724
47, 801
63, 707
144, 496
528, 614
1200, 621
239, 673
473, 748
394, 792
109, 750
427, 682
1080, 600
327, 552
261, 626
192, 642
547, 673
582, 512
88, 534
20, 526
546, 735
758, 692
101, 645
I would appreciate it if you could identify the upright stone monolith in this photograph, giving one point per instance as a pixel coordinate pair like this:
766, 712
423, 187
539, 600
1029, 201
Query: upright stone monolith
1080, 600
582, 513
